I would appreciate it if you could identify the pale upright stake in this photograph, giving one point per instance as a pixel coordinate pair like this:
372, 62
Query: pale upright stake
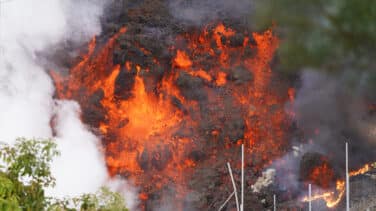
274, 203
234, 186
347, 179
310, 197
242, 188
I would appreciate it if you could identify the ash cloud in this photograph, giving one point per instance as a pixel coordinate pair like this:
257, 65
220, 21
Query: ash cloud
27, 106
329, 110
332, 110
199, 12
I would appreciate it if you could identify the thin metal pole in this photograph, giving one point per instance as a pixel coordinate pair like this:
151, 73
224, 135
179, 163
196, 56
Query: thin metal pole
347, 179
234, 186
310, 197
228, 199
242, 188
274, 203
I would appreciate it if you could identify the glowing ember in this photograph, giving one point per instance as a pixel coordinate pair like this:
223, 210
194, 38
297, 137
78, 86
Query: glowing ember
322, 175
182, 60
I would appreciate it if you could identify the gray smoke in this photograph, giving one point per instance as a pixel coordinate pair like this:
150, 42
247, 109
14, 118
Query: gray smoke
28, 28
332, 110
200, 12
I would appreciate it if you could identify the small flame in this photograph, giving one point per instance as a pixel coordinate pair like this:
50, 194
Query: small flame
333, 198
182, 60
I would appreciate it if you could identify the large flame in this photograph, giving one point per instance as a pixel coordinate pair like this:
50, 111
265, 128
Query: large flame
149, 132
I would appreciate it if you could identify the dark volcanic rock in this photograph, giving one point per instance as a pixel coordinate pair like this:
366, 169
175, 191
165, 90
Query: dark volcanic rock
309, 162
160, 156
235, 129
124, 83
240, 75
191, 87
237, 40
93, 112
144, 160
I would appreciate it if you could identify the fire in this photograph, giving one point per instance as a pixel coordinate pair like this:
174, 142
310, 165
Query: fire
362, 170
215, 89
182, 60
332, 198
221, 79
322, 175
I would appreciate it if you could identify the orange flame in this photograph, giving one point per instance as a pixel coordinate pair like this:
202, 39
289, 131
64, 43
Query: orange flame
332, 199
148, 135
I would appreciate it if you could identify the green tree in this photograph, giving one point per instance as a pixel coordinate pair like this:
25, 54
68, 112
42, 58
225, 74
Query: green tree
25, 173
333, 35
103, 200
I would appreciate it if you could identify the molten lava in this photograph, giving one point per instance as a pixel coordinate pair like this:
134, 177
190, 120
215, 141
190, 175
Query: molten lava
322, 175
332, 198
216, 91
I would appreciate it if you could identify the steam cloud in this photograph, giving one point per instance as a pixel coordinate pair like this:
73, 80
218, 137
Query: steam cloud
26, 103
265, 180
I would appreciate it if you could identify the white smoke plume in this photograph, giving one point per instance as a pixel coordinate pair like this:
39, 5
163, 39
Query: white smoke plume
264, 181
80, 168
26, 91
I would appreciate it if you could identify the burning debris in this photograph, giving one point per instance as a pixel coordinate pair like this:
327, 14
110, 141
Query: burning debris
316, 169
173, 100
159, 131
165, 109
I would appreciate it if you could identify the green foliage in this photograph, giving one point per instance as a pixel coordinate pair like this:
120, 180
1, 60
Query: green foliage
334, 35
103, 200
25, 173
8, 196
30, 158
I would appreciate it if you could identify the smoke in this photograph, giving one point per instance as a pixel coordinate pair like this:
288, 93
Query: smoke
264, 181
26, 91
28, 27
125, 189
200, 12
80, 157
332, 110
329, 110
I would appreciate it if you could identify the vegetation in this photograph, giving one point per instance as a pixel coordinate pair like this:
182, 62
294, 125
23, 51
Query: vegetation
25, 173
322, 33
333, 36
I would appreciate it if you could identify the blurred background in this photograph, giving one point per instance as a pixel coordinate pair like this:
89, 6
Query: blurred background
335, 37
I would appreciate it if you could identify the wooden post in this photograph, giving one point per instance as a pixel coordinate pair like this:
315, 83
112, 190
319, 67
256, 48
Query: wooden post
347, 179
242, 187
310, 197
228, 199
234, 186
274, 203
